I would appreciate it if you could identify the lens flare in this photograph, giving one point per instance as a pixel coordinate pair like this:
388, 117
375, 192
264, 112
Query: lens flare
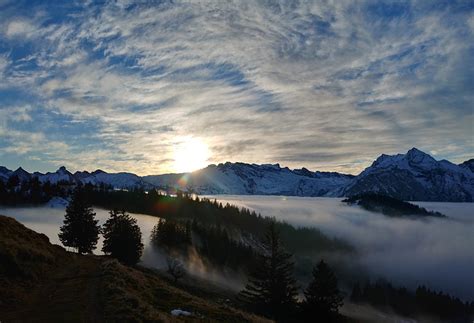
190, 154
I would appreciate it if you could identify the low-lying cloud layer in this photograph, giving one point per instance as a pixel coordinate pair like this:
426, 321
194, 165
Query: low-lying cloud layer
321, 84
435, 252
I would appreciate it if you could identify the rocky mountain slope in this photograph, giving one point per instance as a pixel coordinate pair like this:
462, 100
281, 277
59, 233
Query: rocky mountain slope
241, 178
415, 176
117, 180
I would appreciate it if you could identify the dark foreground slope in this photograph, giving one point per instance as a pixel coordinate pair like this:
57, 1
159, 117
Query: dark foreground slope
43, 282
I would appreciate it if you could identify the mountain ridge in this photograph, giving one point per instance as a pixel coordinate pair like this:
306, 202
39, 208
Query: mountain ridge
414, 175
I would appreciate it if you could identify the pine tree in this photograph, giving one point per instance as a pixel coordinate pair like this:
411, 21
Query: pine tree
122, 238
323, 297
80, 229
271, 289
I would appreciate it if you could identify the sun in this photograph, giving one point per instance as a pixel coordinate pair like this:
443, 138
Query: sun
190, 154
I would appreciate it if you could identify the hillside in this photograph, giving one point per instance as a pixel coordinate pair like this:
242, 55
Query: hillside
389, 206
44, 282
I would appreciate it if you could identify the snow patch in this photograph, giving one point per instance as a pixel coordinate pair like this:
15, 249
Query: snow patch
180, 312
58, 202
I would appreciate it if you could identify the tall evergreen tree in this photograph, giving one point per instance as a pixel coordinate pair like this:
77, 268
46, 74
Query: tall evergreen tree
122, 238
323, 297
271, 289
80, 229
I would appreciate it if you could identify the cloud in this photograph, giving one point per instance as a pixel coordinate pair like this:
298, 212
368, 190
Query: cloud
3, 64
20, 28
344, 82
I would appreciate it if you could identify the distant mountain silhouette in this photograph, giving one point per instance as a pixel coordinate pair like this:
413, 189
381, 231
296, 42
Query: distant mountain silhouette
414, 176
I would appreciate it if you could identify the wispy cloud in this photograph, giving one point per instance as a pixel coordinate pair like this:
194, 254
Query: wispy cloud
321, 85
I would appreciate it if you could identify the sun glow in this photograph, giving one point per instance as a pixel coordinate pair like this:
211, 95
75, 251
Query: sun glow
190, 154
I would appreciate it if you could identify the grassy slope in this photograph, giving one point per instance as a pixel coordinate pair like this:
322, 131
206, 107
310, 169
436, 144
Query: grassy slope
43, 282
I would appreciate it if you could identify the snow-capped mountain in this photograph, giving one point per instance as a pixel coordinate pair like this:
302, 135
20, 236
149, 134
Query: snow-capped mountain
411, 176
415, 176
61, 175
22, 174
5, 173
252, 179
469, 164
117, 180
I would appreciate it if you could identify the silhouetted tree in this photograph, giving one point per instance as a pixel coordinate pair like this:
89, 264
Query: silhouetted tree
80, 229
322, 296
170, 235
271, 289
122, 238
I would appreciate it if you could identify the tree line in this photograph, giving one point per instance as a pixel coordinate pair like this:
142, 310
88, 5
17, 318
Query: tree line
421, 302
213, 244
376, 202
32, 191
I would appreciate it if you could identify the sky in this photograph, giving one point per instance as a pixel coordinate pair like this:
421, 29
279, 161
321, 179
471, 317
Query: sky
328, 85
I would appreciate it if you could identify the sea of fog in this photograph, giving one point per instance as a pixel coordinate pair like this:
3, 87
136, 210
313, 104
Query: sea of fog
436, 252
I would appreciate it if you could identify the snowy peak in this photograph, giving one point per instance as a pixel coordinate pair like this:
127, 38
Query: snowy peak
80, 175
413, 160
468, 164
61, 175
22, 174
253, 179
62, 170
5, 173
419, 158
415, 176
116, 180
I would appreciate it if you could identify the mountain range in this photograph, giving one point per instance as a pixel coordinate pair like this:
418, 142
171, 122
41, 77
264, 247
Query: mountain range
414, 176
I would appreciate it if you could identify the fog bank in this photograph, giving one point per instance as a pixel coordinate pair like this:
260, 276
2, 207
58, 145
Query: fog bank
436, 252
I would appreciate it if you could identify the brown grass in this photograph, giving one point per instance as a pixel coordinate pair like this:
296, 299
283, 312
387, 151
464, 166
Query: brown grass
44, 283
